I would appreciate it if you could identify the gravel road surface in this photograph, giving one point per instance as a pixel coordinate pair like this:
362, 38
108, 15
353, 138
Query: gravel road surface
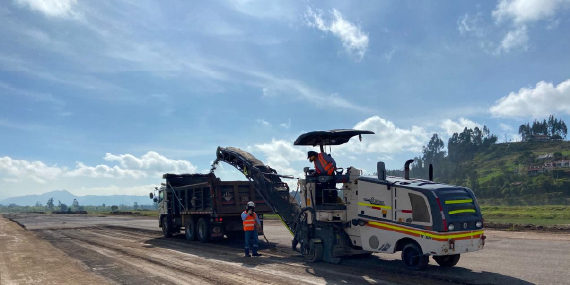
130, 250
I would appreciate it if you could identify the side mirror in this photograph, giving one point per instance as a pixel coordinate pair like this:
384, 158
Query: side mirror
155, 200
151, 196
306, 170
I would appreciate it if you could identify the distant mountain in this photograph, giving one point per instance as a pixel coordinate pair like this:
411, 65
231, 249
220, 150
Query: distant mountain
67, 198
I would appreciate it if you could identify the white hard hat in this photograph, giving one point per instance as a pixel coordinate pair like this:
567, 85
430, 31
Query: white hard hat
250, 204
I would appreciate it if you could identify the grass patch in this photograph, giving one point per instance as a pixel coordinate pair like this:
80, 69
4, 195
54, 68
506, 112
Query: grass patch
271, 217
536, 222
537, 215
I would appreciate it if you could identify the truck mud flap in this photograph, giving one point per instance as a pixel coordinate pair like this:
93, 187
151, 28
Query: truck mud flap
216, 231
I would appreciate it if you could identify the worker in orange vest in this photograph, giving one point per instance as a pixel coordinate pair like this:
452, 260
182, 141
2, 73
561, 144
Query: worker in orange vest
324, 163
250, 225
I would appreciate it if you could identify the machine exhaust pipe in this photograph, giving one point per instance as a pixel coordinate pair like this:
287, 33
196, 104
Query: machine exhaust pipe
407, 169
381, 170
430, 172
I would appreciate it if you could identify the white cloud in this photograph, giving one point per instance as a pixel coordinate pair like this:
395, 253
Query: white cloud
553, 24
296, 87
543, 100
470, 25
104, 171
389, 55
153, 162
523, 11
51, 8
263, 122
57, 103
514, 39
268, 93
354, 40
23, 169
387, 138
129, 166
279, 154
286, 125
451, 127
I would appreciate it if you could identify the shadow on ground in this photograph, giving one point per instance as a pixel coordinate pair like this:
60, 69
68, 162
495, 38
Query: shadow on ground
355, 270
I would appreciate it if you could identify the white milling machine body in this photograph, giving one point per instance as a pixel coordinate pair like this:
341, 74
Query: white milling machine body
367, 214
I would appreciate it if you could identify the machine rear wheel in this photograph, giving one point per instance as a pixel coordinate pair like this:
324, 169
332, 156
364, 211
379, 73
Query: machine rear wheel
203, 229
166, 226
413, 257
315, 252
190, 226
447, 260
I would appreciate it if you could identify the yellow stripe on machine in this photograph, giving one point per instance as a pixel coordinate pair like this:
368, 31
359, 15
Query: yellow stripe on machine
462, 211
428, 234
372, 205
459, 201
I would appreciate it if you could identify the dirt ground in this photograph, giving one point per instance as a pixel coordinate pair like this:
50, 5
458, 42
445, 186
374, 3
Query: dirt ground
131, 251
27, 259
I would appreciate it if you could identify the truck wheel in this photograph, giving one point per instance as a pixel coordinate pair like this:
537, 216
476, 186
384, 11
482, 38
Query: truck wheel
203, 229
447, 260
190, 229
413, 257
166, 226
316, 252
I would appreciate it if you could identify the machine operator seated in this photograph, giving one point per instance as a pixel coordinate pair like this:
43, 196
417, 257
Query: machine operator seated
325, 167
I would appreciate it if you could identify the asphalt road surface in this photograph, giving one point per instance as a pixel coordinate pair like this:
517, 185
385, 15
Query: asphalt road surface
130, 250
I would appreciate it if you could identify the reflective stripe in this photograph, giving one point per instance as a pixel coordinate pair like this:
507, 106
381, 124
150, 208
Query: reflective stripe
459, 201
427, 234
372, 205
462, 211
249, 223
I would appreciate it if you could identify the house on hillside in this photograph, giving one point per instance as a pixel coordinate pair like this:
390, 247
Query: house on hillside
561, 163
545, 156
538, 138
536, 169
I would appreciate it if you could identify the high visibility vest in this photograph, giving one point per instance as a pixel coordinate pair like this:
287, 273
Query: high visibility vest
324, 166
249, 223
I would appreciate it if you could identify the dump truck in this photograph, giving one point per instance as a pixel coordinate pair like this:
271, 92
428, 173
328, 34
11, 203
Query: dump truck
206, 207
378, 214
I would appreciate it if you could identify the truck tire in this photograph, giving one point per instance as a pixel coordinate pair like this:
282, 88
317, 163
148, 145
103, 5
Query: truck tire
413, 257
447, 260
190, 226
166, 226
316, 252
203, 230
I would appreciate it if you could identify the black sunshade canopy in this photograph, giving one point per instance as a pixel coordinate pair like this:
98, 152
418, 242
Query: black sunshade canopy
332, 137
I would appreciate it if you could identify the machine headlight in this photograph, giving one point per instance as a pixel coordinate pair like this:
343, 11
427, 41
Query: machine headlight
479, 224
451, 227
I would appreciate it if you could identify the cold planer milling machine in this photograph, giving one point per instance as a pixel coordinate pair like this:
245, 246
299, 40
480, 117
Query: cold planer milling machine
348, 214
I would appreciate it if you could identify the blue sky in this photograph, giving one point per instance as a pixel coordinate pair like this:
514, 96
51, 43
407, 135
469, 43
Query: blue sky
101, 97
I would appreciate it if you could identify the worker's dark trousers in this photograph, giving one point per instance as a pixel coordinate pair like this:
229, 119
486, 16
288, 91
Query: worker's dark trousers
248, 236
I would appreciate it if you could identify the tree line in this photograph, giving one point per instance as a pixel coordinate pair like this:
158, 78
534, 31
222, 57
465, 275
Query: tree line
62, 207
552, 127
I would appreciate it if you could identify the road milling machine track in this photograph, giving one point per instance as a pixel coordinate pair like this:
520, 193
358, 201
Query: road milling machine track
348, 214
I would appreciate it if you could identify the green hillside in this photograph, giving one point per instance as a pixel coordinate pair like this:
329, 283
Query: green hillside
502, 171
522, 173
